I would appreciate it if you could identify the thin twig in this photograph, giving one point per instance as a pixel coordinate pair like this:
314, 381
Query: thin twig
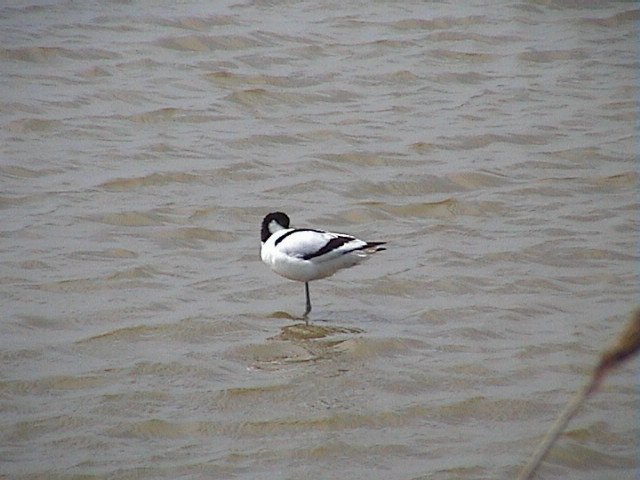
627, 345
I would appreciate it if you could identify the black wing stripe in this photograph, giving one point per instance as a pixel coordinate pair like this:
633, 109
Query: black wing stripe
328, 247
278, 240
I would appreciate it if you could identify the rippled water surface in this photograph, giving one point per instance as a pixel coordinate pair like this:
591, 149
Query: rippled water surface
491, 144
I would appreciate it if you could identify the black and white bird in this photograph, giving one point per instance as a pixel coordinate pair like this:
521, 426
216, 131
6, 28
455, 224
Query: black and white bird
306, 254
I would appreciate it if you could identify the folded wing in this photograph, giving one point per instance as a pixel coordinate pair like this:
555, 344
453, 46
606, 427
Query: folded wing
318, 245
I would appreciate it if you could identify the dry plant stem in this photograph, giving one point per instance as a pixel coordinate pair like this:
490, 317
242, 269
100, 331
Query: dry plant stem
628, 344
555, 431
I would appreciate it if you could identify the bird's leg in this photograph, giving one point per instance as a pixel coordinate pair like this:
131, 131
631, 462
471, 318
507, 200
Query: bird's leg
306, 312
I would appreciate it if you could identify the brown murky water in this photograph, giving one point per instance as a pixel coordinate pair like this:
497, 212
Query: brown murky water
492, 145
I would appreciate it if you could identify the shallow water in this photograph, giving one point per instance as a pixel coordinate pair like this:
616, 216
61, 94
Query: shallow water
492, 146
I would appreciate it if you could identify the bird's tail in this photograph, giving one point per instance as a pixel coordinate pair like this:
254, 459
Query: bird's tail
372, 247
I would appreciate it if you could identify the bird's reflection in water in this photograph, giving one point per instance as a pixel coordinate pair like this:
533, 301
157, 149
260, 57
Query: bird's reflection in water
304, 331
299, 341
